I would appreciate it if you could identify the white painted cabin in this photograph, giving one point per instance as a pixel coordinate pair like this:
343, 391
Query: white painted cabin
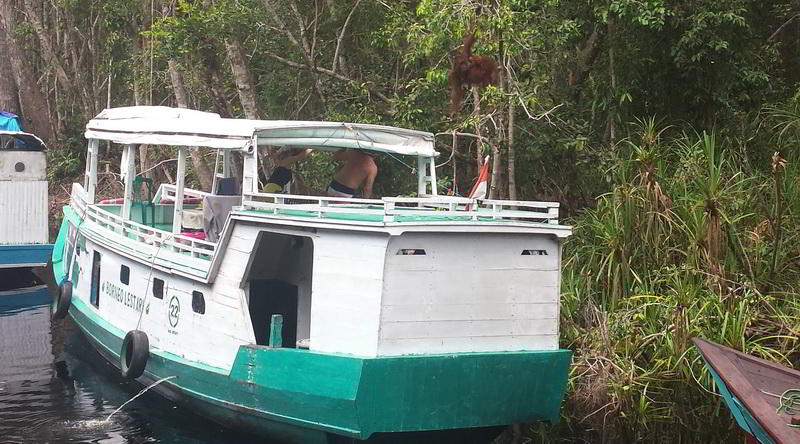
23, 189
366, 277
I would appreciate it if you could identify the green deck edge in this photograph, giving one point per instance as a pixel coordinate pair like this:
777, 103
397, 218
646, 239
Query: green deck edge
71, 215
331, 213
295, 393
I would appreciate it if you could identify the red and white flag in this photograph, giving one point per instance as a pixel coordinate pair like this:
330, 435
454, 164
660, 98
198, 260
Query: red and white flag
481, 185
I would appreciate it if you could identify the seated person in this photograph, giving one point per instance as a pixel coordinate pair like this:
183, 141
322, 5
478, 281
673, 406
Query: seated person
282, 174
359, 168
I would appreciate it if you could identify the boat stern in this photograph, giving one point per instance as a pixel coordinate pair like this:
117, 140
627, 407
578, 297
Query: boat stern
358, 397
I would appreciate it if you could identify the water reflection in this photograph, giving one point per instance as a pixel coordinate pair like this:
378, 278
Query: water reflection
55, 388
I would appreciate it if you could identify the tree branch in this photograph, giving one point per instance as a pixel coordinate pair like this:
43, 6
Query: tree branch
341, 36
330, 73
780, 28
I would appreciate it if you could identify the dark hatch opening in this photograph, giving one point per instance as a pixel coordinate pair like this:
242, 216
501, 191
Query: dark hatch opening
279, 282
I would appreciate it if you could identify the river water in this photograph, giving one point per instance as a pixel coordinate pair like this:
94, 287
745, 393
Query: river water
54, 388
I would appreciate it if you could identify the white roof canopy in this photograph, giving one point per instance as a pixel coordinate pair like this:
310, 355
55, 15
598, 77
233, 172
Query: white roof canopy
25, 141
160, 125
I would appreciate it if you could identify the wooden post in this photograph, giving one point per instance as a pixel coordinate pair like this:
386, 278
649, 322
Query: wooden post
432, 174
552, 214
226, 163
91, 164
250, 179
87, 171
276, 331
180, 179
421, 187
130, 173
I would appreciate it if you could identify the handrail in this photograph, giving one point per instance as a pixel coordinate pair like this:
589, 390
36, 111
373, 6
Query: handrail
197, 248
391, 207
168, 191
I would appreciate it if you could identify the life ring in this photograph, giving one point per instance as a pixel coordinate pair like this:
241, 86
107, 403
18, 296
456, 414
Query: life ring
61, 301
134, 354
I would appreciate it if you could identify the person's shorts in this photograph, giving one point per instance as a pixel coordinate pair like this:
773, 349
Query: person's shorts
336, 189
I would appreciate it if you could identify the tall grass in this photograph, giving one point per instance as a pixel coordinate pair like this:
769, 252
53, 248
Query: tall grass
685, 244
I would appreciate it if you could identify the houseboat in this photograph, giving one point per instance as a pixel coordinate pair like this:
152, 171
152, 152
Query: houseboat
23, 197
311, 318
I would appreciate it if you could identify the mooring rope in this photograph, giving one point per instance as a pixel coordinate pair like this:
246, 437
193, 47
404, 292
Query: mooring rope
788, 402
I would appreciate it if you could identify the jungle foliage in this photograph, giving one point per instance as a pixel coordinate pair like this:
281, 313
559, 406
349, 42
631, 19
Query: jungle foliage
669, 130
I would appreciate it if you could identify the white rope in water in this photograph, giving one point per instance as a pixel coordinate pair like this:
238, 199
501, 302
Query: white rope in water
138, 395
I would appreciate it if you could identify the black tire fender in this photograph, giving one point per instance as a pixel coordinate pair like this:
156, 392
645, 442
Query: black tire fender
134, 353
61, 300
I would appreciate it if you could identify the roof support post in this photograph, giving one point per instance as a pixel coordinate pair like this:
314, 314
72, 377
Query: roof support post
250, 174
432, 174
130, 172
180, 180
226, 163
426, 174
90, 178
421, 187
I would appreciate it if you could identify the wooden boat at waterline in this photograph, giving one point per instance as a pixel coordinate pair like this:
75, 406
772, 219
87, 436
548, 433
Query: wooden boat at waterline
23, 197
752, 390
311, 318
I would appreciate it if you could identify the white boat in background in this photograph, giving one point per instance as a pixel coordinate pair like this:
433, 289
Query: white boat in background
23, 197
315, 318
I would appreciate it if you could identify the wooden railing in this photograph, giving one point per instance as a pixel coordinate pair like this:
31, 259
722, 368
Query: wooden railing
197, 248
167, 191
390, 208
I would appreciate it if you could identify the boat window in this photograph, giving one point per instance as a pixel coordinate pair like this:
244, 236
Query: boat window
81, 244
411, 252
124, 274
534, 252
69, 245
198, 302
94, 297
158, 288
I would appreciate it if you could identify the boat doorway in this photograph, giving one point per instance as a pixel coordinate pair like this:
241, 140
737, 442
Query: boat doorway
279, 282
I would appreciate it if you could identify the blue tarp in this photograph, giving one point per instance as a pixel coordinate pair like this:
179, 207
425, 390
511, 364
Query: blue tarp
9, 121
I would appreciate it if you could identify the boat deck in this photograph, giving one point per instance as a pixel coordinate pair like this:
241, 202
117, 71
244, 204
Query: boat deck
402, 210
156, 243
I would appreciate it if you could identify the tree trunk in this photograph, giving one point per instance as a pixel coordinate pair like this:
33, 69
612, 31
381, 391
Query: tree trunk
243, 78
212, 75
9, 94
49, 54
140, 98
612, 108
201, 169
74, 51
496, 169
495, 190
586, 57
32, 103
512, 173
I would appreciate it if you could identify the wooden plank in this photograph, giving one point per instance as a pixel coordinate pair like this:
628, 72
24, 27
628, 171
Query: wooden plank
520, 203
91, 165
462, 329
180, 178
465, 311
130, 173
428, 286
395, 347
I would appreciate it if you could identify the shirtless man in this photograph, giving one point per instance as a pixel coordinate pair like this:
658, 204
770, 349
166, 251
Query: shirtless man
358, 169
